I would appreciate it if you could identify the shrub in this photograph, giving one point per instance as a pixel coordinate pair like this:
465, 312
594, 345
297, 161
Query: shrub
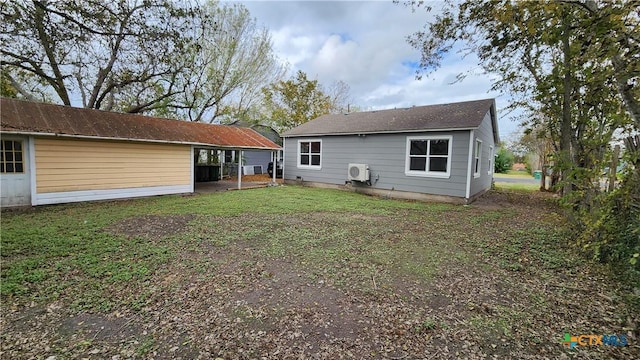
504, 160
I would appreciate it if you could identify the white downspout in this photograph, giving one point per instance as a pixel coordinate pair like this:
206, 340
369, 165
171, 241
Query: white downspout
469, 161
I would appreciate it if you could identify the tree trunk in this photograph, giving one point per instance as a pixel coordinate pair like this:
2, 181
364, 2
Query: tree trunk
565, 129
626, 91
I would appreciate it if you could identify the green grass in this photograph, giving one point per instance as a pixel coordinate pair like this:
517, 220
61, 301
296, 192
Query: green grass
63, 251
513, 174
518, 187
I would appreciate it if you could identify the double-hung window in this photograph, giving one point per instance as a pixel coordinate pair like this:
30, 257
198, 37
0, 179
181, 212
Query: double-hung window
428, 156
477, 159
310, 154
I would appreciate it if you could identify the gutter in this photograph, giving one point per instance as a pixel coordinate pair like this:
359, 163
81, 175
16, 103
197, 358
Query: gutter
378, 132
227, 147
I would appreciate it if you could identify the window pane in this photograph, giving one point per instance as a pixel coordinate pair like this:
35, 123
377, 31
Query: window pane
439, 147
477, 164
8, 145
8, 156
17, 145
438, 164
1, 167
418, 163
18, 157
19, 168
418, 147
315, 147
9, 168
315, 160
304, 159
304, 147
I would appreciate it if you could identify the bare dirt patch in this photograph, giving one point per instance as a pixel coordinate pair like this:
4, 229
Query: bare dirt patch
150, 226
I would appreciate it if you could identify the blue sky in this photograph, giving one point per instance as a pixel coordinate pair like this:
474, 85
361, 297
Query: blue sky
363, 43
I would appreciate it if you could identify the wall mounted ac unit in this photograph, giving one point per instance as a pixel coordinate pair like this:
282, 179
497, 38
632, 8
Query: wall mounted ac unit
358, 172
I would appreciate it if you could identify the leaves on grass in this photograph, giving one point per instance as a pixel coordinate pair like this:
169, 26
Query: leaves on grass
491, 280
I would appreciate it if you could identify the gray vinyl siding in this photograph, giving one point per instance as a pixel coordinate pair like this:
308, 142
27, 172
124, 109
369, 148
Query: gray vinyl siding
386, 155
485, 133
257, 158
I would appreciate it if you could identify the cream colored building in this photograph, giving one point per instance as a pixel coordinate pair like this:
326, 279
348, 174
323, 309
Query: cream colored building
56, 154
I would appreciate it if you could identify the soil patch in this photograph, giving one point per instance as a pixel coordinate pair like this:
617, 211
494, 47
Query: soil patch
151, 226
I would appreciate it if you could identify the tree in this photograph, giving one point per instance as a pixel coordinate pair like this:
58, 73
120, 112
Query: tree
115, 55
549, 55
232, 62
295, 101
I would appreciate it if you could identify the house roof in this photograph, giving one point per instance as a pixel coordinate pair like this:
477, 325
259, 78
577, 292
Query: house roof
454, 116
264, 130
25, 117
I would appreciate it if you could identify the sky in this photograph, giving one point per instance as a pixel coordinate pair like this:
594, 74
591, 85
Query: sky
363, 43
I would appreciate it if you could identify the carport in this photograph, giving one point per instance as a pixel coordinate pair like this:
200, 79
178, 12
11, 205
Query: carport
215, 175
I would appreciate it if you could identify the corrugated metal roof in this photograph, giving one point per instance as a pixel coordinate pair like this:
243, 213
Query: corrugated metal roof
18, 116
461, 115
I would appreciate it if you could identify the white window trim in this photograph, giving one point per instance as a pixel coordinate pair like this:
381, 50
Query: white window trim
477, 156
434, 174
491, 160
310, 167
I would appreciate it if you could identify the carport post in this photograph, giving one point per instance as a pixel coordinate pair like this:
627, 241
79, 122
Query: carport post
240, 170
274, 168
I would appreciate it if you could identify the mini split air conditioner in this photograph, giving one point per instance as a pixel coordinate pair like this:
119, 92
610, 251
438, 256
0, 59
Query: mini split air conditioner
358, 172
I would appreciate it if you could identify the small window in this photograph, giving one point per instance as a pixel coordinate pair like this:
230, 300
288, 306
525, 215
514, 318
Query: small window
428, 156
477, 159
310, 154
11, 157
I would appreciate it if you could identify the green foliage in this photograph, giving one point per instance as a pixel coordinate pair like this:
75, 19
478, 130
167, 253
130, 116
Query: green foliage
503, 161
295, 101
6, 89
608, 225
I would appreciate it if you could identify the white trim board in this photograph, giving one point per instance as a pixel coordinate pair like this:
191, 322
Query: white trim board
111, 194
469, 164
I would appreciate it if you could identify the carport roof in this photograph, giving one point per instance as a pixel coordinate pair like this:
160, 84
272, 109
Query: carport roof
25, 117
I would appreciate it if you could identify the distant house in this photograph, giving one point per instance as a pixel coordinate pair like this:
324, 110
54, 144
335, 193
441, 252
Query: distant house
257, 158
439, 152
55, 154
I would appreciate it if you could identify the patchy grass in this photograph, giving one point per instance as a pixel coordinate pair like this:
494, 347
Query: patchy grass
514, 174
505, 186
301, 272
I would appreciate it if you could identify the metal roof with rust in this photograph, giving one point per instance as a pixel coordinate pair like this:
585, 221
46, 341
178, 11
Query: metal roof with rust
454, 116
25, 117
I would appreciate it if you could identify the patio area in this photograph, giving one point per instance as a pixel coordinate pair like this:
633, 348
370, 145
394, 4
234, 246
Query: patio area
231, 183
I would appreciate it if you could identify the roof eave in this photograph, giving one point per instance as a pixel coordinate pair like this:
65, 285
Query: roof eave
35, 133
379, 132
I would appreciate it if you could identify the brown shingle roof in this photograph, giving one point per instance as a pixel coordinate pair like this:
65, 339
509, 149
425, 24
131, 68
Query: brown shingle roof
18, 116
462, 115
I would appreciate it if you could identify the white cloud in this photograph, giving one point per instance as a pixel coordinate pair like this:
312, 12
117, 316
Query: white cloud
363, 43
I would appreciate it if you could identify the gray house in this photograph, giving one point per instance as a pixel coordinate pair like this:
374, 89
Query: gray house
252, 159
438, 152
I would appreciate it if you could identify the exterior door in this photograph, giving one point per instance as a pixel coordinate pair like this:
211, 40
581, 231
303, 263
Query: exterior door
14, 171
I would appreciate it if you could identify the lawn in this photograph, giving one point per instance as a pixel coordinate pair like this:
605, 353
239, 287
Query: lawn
294, 272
